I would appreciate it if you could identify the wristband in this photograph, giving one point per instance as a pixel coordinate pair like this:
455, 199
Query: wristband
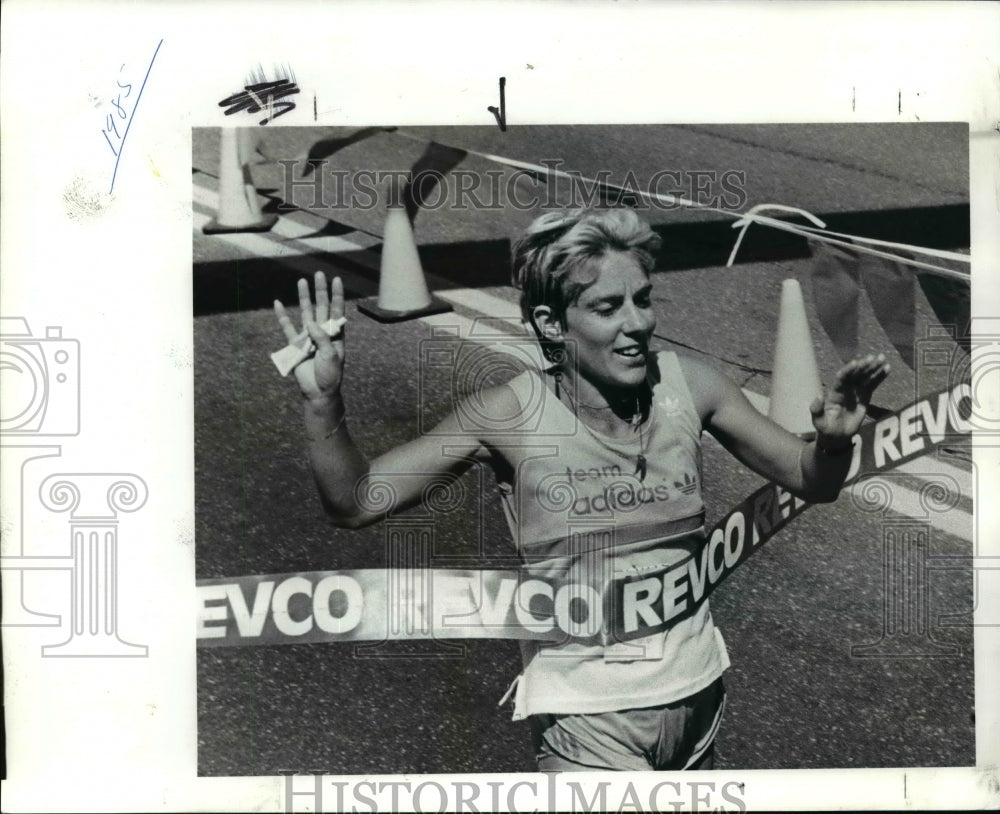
834, 452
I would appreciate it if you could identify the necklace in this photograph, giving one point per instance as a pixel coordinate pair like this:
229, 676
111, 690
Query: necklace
640, 461
635, 422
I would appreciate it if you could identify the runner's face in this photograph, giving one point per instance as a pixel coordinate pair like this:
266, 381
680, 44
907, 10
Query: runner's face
609, 327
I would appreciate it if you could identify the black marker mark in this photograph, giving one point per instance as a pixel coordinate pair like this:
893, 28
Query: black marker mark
899, 102
501, 114
314, 108
854, 98
255, 97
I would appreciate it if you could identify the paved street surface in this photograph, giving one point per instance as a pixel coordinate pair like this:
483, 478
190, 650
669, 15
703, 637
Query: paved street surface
798, 698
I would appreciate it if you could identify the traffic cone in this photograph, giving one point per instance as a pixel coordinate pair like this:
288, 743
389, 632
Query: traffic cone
239, 209
402, 289
795, 380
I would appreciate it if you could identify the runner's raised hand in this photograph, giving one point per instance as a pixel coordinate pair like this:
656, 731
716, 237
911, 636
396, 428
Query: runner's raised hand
319, 377
839, 414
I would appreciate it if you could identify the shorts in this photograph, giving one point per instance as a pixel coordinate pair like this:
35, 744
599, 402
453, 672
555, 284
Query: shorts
674, 736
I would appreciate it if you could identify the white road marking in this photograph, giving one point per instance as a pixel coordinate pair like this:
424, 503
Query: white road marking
284, 228
477, 300
904, 500
258, 245
928, 465
461, 327
762, 403
287, 254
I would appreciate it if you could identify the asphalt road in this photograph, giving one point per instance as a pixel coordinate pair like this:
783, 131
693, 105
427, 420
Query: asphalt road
797, 696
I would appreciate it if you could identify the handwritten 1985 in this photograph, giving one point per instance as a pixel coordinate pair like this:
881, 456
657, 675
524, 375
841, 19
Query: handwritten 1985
117, 123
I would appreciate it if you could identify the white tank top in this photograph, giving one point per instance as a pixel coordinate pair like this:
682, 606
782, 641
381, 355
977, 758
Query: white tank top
574, 496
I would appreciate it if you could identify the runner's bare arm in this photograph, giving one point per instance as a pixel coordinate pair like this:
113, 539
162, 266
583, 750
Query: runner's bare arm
815, 470
355, 491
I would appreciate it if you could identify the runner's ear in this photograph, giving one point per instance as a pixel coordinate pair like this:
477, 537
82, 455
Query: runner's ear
546, 324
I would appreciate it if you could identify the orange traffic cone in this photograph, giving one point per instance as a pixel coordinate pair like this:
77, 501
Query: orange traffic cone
239, 209
795, 380
402, 289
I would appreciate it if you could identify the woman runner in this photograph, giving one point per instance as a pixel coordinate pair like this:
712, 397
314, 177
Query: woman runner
605, 482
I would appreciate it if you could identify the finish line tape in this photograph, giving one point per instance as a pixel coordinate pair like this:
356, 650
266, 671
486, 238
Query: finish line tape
530, 603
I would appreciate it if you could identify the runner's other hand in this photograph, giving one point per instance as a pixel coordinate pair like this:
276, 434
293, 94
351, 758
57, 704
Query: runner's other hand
319, 377
839, 414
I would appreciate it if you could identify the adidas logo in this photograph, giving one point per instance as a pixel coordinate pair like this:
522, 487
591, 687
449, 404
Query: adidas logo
688, 486
670, 406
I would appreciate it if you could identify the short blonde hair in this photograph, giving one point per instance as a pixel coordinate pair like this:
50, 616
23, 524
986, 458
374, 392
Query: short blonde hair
558, 243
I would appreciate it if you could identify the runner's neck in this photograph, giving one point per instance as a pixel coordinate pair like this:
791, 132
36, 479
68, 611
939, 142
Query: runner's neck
617, 414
